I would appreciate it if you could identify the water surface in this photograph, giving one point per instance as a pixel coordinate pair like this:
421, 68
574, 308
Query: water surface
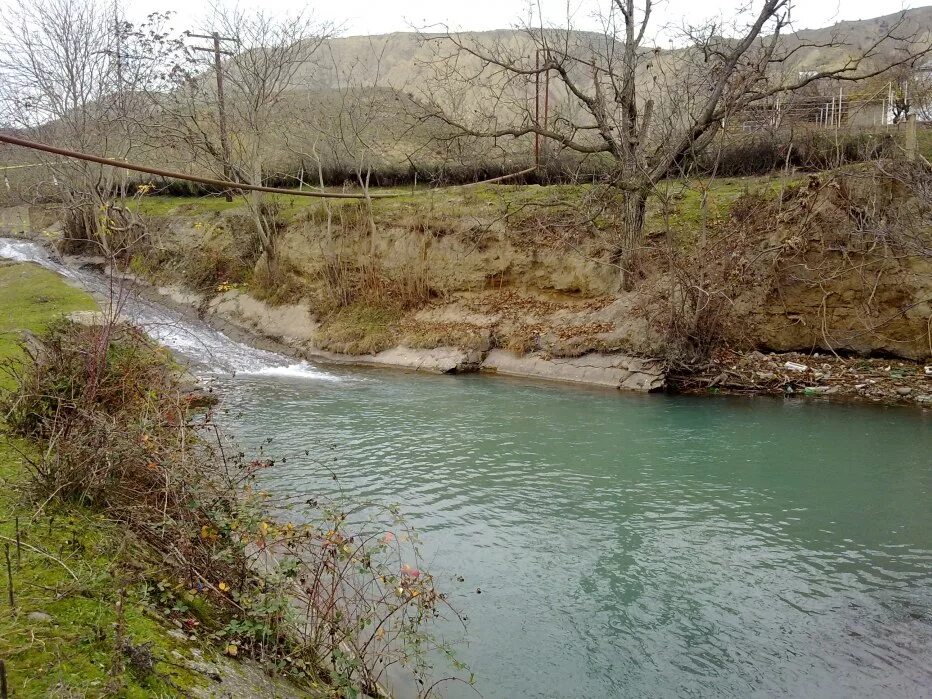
642, 546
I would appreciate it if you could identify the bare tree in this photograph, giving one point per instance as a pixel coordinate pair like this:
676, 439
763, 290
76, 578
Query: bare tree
640, 109
268, 53
74, 72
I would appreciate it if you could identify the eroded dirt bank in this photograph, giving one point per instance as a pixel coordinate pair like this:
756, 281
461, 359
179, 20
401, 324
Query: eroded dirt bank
526, 280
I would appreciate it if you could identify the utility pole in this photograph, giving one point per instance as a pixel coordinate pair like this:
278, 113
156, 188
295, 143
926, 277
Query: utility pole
221, 104
537, 102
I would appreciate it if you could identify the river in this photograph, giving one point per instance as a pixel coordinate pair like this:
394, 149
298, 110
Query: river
624, 545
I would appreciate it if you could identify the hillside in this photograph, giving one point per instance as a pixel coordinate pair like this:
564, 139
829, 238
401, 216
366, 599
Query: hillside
401, 60
361, 102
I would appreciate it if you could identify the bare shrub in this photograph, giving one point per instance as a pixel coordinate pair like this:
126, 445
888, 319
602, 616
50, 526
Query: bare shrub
337, 595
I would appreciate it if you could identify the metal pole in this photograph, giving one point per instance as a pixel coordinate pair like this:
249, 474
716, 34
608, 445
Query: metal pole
55, 150
840, 100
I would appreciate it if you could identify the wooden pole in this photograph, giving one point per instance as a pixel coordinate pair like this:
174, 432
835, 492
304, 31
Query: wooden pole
537, 108
911, 145
221, 103
546, 98
222, 113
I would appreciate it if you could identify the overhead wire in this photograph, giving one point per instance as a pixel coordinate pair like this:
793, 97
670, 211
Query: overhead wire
226, 185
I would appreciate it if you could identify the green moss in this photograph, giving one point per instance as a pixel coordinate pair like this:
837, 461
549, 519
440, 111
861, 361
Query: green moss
32, 297
72, 562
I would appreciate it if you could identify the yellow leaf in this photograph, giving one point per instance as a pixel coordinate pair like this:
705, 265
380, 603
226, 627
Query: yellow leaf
232, 649
223, 587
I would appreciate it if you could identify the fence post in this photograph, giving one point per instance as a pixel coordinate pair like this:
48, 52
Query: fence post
911, 142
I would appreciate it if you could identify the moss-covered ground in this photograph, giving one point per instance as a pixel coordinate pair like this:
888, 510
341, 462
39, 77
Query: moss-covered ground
58, 638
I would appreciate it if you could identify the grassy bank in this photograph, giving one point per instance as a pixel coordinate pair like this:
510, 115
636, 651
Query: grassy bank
144, 557
91, 604
58, 640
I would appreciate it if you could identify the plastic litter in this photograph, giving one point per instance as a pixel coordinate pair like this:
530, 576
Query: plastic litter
793, 366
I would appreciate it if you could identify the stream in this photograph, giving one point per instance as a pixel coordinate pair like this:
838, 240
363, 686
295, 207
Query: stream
611, 544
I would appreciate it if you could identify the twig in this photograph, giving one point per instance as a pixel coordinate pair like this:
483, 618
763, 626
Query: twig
46, 554
9, 575
19, 561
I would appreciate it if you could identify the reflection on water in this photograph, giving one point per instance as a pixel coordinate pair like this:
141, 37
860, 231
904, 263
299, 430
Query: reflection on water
639, 545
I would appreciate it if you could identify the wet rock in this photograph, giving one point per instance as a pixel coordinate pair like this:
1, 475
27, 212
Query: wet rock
904, 390
445, 360
821, 390
611, 370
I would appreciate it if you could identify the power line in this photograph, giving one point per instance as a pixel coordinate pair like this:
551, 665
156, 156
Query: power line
55, 150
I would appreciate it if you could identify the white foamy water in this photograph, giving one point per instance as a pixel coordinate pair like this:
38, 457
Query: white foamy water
188, 337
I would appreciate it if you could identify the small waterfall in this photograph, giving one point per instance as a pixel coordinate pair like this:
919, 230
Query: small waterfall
190, 338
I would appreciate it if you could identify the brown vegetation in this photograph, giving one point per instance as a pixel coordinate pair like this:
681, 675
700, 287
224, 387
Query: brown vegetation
332, 596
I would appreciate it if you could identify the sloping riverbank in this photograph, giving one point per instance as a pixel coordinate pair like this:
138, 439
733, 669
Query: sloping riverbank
86, 616
292, 329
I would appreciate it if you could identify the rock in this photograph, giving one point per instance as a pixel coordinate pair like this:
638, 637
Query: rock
40, 617
92, 318
904, 390
445, 360
821, 390
611, 370
925, 399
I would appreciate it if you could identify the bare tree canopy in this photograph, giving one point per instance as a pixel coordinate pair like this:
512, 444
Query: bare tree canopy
639, 107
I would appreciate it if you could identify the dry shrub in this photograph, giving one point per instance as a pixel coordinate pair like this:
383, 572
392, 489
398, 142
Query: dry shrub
345, 281
432, 334
96, 227
359, 329
848, 233
692, 306
333, 595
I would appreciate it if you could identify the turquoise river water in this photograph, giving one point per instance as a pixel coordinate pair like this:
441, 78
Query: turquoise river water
624, 545
639, 546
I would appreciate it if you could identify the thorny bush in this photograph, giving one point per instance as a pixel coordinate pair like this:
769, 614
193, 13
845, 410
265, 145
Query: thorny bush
335, 596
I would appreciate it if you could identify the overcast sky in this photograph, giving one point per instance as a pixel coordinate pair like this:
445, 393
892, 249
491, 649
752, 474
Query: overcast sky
382, 16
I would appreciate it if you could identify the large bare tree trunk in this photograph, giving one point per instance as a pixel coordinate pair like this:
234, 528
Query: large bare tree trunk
633, 209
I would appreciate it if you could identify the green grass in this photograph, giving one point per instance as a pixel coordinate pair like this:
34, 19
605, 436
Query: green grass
32, 297
82, 559
925, 143
719, 193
